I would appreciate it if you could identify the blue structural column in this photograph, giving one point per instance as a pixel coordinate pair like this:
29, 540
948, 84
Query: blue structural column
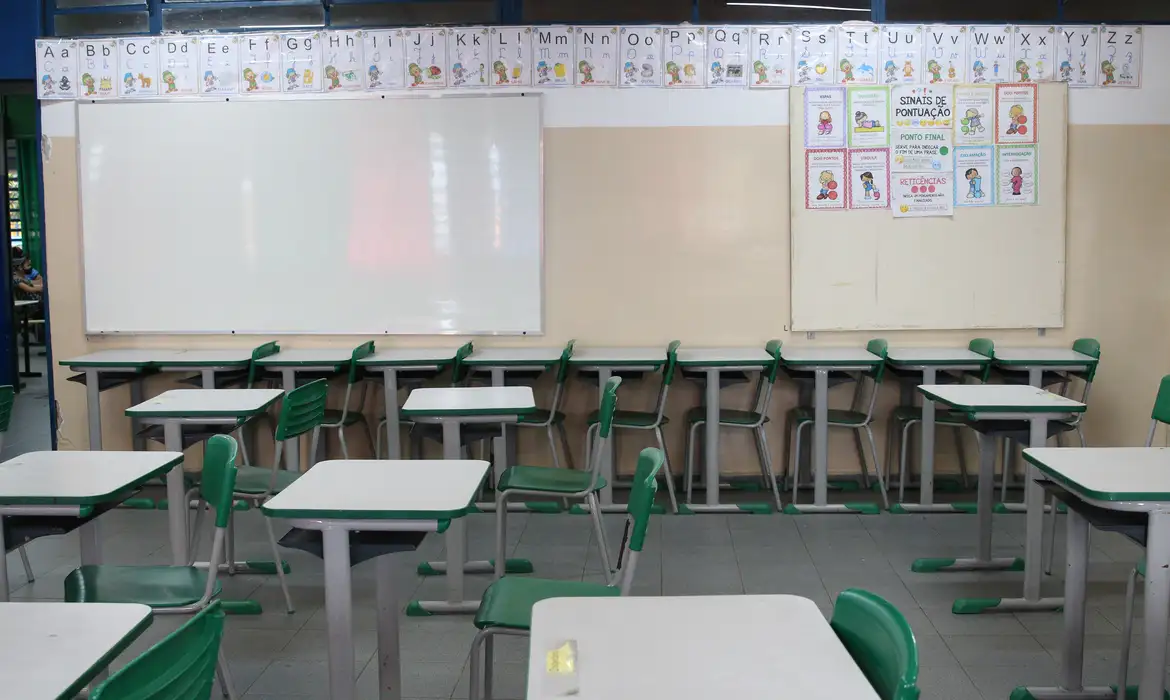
877, 10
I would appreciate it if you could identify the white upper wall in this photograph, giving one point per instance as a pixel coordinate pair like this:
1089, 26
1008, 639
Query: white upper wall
650, 107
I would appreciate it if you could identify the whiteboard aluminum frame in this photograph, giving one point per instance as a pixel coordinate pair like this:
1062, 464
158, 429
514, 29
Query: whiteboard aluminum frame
280, 97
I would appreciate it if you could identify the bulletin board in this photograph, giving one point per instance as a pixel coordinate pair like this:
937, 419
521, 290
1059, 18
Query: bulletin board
983, 267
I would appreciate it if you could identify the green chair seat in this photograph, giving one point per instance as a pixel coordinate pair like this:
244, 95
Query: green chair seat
255, 480
508, 602
629, 419
547, 479
333, 417
909, 413
540, 416
805, 414
727, 416
156, 586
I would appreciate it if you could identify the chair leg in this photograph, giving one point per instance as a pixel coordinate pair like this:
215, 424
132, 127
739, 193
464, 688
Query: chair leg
196, 531
891, 440
230, 545
861, 459
564, 435
239, 435
476, 684
903, 450
1126, 633
964, 475
1007, 470
1081, 436
552, 446
689, 461
288, 604
341, 440
489, 662
762, 460
877, 468
762, 437
223, 675
666, 471
599, 533
795, 466
378, 441
788, 426
1050, 548
28, 572
501, 532
369, 437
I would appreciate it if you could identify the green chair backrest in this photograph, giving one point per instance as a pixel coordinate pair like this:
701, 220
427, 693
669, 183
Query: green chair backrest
608, 404
459, 368
671, 362
773, 349
880, 641
881, 348
563, 367
303, 410
1161, 412
269, 348
1092, 348
7, 399
986, 348
180, 667
218, 480
641, 502
362, 351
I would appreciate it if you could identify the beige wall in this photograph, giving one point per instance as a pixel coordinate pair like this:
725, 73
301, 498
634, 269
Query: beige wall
634, 260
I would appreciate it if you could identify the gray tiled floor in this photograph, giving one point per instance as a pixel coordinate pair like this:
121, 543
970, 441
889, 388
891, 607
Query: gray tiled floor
280, 657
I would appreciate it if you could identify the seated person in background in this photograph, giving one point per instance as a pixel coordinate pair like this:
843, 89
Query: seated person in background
27, 281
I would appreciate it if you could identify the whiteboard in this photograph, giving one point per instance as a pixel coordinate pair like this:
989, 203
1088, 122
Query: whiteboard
327, 215
985, 267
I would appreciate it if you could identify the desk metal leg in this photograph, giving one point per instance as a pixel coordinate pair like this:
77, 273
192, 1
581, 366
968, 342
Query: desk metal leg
504, 446
393, 432
711, 453
3, 568
137, 397
292, 449
176, 496
607, 455
1073, 656
389, 666
339, 613
926, 502
983, 560
93, 408
91, 542
1157, 600
820, 451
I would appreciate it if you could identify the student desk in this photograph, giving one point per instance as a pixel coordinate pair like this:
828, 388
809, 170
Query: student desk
178, 407
712, 362
606, 361
303, 360
1036, 361
337, 497
52, 651
1133, 479
988, 406
821, 361
451, 408
695, 648
115, 367
498, 362
389, 362
73, 485
929, 362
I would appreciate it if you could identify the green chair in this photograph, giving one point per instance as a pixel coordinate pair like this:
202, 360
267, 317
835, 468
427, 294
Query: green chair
171, 590
458, 375
563, 483
340, 419
180, 667
506, 606
302, 411
645, 420
753, 420
7, 400
553, 417
903, 418
1159, 416
880, 641
854, 419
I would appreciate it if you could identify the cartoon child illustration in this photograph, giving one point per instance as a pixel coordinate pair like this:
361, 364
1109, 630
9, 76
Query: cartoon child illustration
1017, 181
802, 71
415, 72
90, 84
977, 70
891, 72
908, 69
847, 70
209, 80
975, 181
291, 76
673, 70
871, 192
375, 75
1022, 69
585, 68
689, 71
935, 69
1066, 70
128, 81
1016, 120
501, 72
542, 71
458, 74
334, 76
169, 78
47, 85
825, 124
716, 72
862, 120
974, 121
761, 72
1108, 69
826, 179
250, 79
